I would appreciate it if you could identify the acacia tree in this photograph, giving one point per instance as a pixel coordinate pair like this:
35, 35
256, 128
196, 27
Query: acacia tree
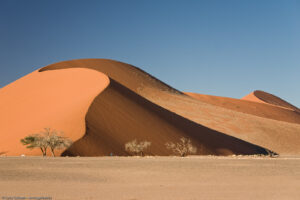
137, 148
48, 138
183, 148
56, 141
36, 141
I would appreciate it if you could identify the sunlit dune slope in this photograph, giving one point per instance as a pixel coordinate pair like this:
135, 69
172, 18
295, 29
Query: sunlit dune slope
56, 99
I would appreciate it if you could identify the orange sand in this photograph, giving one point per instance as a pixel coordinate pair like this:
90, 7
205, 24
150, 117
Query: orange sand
125, 103
57, 99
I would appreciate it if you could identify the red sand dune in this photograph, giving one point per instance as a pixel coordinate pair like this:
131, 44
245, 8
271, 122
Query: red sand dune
129, 103
250, 107
264, 97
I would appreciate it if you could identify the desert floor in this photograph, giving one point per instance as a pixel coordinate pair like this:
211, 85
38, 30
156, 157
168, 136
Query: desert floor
135, 178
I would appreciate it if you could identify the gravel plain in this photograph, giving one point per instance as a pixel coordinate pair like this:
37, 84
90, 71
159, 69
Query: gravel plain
136, 178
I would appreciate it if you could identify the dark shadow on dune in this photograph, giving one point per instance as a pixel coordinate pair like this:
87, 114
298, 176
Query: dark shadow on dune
110, 124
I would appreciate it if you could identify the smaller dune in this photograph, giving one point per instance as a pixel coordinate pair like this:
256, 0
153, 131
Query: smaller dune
257, 108
264, 97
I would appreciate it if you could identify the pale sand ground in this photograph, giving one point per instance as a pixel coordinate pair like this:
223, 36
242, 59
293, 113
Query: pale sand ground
134, 178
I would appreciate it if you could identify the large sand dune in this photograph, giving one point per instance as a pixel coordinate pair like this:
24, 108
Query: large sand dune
113, 103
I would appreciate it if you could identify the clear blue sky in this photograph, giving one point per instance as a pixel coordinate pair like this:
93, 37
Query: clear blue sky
224, 48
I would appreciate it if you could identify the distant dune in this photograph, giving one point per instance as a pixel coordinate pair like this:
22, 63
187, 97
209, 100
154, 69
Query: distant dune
102, 104
264, 97
251, 107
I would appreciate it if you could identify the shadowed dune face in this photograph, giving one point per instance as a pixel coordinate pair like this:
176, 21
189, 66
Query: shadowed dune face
57, 99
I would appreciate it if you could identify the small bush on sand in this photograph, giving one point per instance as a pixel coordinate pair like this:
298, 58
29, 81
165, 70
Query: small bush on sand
137, 148
271, 154
183, 148
47, 139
